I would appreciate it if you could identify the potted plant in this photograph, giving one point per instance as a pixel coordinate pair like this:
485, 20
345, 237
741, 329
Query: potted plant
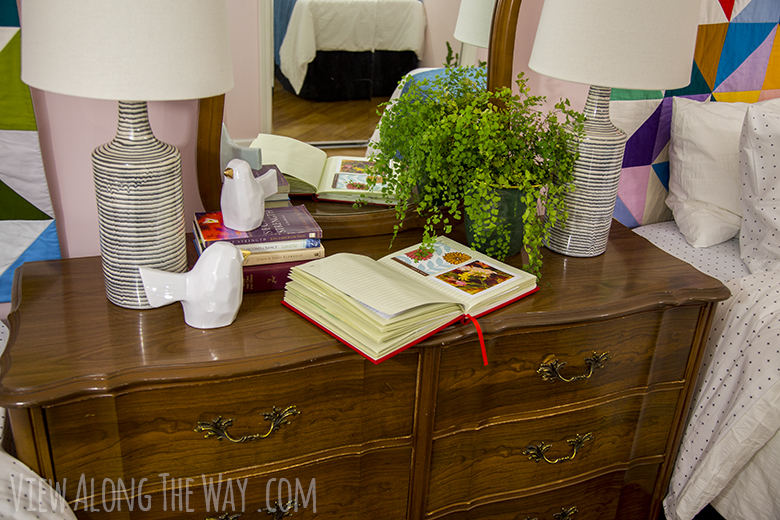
447, 148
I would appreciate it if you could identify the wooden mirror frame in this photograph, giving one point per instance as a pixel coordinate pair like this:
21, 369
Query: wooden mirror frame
501, 53
342, 220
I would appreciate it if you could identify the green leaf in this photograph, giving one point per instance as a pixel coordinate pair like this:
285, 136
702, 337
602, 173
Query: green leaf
448, 144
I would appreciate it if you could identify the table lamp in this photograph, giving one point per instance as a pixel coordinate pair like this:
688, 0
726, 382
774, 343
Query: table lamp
472, 29
631, 44
131, 51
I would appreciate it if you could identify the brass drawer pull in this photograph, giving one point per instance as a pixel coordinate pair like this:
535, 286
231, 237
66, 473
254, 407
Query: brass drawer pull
278, 512
549, 369
538, 453
565, 514
218, 427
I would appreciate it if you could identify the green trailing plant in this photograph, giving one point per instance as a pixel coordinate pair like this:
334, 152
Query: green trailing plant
452, 58
447, 146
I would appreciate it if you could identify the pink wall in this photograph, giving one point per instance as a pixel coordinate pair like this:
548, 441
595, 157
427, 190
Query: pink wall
69, 128
553, 89
242, 104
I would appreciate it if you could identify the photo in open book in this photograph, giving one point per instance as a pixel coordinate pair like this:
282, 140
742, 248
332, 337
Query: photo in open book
474, 278
455, 269
354, 181
355, 166
353, 174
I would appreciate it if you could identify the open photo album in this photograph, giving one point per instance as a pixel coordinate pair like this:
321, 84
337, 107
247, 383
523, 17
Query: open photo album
381, 307
310, 171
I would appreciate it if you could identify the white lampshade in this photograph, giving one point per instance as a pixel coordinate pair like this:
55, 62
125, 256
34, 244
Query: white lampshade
632, 44
138, 50
474, 20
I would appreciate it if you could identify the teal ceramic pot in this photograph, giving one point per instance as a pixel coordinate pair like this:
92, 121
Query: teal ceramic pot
510, 209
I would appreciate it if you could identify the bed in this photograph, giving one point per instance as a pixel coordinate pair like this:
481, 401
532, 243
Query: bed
346, 49
730, 452
701, 180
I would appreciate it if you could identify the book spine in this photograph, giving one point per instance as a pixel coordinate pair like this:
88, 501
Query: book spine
276, 257
308, 235
268, 277
262, 247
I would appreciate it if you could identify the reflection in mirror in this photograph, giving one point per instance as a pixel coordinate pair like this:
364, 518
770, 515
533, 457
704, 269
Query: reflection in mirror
335, 60
338, 123
310, 120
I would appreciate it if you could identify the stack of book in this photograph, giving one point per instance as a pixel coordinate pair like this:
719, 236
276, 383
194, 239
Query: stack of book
289, 236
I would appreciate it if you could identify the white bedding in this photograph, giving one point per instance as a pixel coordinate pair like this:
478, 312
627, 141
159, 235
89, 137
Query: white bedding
349, 25
721, 261
730, 452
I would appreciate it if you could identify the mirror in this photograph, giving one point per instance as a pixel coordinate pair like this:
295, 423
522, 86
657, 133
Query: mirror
342, 220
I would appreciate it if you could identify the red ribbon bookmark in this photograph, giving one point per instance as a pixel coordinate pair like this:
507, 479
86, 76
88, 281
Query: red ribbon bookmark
470, 319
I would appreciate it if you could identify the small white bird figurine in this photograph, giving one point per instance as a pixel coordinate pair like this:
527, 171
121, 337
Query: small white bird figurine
243, 195
210, 294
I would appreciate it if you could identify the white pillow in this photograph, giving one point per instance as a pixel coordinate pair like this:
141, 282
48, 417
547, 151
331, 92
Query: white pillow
759, 240
704, 176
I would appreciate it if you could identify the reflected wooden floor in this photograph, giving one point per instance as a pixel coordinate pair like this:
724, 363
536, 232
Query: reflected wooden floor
324, 121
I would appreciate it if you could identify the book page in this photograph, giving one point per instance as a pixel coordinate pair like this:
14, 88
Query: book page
294, 158
354, 332
472, 278
372, 284
347, 179
349, 314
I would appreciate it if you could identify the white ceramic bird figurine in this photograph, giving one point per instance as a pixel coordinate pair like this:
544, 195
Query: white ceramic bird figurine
210, 293
243, 195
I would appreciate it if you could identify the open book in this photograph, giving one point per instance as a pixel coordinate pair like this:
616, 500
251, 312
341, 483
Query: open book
380, 307
310, 171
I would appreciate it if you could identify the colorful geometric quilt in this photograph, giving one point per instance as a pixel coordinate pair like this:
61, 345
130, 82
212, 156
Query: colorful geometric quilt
27, 229
737, 58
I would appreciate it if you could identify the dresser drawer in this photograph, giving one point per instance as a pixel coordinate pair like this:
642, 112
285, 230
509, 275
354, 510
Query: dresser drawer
374, 485
508, 456
593, 499
639, 350
333, 405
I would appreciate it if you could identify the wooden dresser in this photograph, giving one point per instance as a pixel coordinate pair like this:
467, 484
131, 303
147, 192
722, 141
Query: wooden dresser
577, 416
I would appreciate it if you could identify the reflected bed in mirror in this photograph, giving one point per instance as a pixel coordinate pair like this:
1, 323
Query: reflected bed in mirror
330, 50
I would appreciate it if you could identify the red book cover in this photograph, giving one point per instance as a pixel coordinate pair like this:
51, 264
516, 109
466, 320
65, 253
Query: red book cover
279, 224
267, 277
463, 318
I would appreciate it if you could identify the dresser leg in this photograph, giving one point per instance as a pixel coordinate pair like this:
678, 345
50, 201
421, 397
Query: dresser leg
427, 376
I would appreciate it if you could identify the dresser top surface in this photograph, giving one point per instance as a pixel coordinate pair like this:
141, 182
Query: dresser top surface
67, 339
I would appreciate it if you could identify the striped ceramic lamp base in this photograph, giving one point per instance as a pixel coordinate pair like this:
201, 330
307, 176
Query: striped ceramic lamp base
140, 206
596, 177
